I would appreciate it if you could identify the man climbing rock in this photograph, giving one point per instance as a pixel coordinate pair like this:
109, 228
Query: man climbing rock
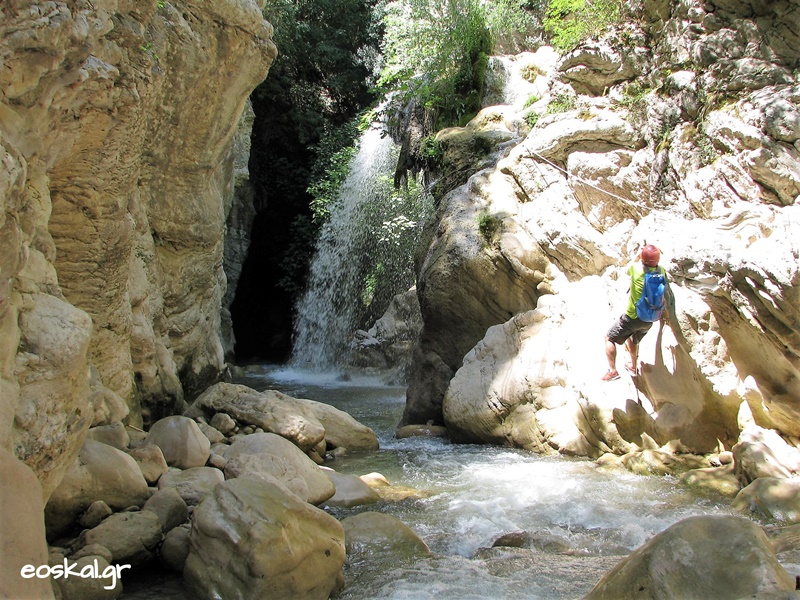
646, 303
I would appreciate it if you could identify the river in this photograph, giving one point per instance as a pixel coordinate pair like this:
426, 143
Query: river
585, 518
471, 495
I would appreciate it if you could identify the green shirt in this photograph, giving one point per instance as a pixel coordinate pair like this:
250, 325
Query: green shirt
636, 272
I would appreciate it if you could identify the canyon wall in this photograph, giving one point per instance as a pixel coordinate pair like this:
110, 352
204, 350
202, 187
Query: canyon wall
679, 129
117, 120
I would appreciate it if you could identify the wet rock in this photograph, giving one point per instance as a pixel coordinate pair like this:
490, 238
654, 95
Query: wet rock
238, 547
421, 431
175, 548
183, 444
544, 542
132, 537
192, 484
350, 491
771, 497
101, 472
377, 536
694, 559
151, 462
170, 508
270, 454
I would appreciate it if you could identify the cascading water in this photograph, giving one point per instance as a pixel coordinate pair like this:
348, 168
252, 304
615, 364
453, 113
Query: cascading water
367, 237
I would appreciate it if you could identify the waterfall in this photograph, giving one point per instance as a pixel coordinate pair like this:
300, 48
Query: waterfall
506, 82
328, 313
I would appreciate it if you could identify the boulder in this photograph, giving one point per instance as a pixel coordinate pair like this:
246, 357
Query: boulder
772, 498
380, 537
239, 545
113, 434
170, 508
132, 537
305, 422
183, 444
764, 453
90, 588
223, 423
175, 548
22, 531
350, 491
272, 411
266, 453
101, 472
151, 462
699, 557
192, 484
97, 511
420, 431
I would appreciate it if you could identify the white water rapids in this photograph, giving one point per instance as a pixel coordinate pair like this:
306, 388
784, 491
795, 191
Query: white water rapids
474, 494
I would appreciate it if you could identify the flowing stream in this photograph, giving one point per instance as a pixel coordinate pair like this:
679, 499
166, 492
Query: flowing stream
586, 518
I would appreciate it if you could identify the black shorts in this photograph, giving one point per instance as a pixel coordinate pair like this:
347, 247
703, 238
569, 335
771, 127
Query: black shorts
625, 328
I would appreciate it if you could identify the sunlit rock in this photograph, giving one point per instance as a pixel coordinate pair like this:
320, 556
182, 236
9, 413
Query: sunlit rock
350, 491
694, 559
771, 497
192, 484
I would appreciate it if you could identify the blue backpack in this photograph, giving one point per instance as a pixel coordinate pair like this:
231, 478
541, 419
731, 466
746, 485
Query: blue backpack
652, 303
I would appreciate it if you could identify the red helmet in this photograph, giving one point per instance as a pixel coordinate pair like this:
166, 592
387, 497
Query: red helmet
650, 255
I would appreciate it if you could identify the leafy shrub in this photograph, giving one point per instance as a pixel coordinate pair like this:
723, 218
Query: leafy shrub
489, 227
570, 22
561, 103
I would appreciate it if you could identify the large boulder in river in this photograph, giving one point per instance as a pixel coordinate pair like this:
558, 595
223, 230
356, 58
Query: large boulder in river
101, 472
250, 539
304, 422
268, 454
699, 557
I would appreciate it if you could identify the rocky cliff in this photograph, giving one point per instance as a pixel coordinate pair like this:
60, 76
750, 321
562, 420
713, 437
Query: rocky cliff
116, 126
681, 129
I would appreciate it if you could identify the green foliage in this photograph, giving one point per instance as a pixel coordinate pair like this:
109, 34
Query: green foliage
634, 98
436, 50
334, 153
429, 150
532, 118
489, 227
395, 218
570, 22
532, 99
561, 103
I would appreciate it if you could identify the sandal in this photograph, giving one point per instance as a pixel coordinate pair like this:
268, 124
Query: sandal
610, 376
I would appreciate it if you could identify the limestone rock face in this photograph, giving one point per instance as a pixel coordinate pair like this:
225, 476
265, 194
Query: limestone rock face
252, 539
22, 524
672, 157
116, 123
694, 559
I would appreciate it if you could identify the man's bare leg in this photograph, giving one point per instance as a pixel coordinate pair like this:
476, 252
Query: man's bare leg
611, 355
633, 351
